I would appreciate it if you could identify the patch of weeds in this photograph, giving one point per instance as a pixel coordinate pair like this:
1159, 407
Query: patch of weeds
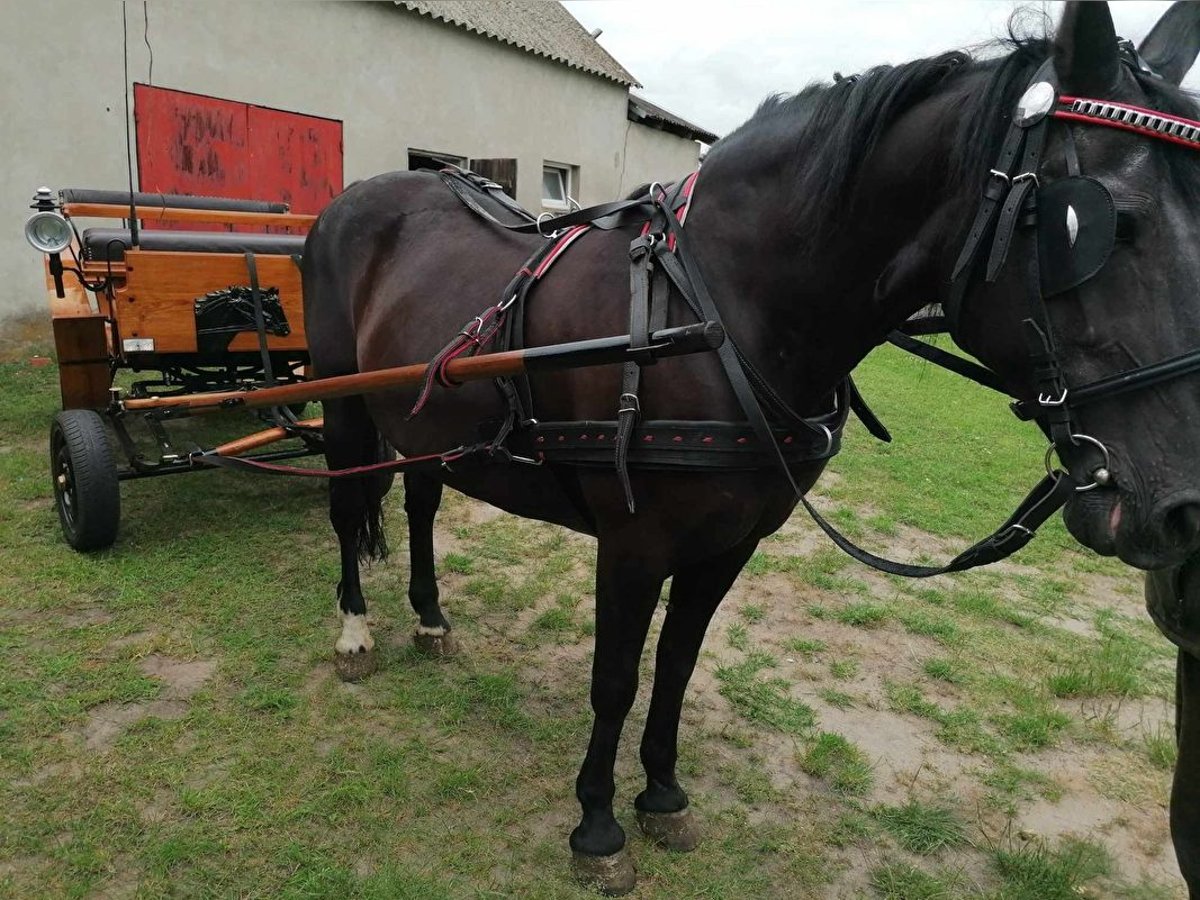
458, 564
1116, 669
903, 881
851, 826
960, 727
763, 701
843, 669
840, 762
1033, 726
943, 670
489, 590
1011, 784
938, 627
1034, 871
739, 638
884, 524
1160, 747
985, 605
460, 784
753, 613
818, 611
922, 828
836, 698
280, 701
863, 615
804, 647
555, 620
751, 784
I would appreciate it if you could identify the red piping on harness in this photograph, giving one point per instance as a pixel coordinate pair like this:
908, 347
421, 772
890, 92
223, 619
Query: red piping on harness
1087, 119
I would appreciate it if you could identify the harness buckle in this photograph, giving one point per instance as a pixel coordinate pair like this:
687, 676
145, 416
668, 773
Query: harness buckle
1047, 400
1003, 176
630, 403
1027, 176
503, 307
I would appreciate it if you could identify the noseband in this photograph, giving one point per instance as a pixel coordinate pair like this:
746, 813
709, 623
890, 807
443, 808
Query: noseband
1075, 221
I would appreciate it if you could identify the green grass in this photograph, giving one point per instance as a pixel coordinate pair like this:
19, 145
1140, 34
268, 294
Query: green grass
922, 828
1033, 871
904, 881
763, 701
453, 778
842, 764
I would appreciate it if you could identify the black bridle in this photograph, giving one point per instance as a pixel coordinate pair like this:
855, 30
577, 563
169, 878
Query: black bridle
1075, 220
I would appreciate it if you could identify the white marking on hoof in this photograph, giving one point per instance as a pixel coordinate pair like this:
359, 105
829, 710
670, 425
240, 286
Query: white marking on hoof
433, 630
355, 636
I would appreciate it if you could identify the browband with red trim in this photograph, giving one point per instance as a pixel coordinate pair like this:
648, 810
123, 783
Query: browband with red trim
1127, 117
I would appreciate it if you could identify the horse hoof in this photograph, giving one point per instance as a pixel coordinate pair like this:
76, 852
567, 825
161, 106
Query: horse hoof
674, 830
435, 645
355, 666
612, 876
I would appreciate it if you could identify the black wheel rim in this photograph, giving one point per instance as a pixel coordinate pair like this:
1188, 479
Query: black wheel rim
64, 484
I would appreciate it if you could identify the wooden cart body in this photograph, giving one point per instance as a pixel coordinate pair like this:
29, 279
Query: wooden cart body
139, 311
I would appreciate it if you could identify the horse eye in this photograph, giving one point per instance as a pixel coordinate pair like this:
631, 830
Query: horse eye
1126, 227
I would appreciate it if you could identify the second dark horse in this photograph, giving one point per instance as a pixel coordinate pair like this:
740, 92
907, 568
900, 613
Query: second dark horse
820, 225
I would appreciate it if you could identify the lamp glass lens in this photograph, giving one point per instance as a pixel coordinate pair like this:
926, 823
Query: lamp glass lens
48, 232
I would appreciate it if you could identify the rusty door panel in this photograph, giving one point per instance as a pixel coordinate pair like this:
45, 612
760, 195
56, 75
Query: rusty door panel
205, 146
294, 158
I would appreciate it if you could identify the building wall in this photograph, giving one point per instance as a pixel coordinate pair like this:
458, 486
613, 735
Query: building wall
397, 80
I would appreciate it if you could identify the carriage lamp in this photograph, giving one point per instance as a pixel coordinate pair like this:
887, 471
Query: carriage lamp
48, 231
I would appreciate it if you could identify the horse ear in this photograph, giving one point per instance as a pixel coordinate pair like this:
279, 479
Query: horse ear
1171, 46
1085, 50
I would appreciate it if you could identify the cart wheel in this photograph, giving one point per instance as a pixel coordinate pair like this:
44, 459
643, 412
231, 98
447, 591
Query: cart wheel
85, 479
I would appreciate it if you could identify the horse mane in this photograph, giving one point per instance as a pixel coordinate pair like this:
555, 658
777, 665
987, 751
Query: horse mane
828, 129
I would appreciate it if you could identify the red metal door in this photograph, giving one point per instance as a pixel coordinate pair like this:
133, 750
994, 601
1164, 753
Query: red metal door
205, 146
295, 158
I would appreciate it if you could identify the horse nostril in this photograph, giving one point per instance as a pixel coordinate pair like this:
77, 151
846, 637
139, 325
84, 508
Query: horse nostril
1181, 524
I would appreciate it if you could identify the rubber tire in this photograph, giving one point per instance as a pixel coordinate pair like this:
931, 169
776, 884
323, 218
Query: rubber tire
90, 511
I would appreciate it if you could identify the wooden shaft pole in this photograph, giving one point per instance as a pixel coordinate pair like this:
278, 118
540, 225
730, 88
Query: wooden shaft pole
470, 368
261, 439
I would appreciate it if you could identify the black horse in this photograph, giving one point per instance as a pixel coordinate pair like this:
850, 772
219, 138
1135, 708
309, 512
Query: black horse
819, 226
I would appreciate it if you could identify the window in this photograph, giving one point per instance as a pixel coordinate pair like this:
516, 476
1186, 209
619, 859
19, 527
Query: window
429, 159
556, 186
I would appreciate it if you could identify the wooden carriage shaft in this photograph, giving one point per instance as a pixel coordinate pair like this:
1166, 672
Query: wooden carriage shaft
577, 354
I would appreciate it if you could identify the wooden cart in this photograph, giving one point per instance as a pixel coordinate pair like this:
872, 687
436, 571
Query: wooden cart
215, 319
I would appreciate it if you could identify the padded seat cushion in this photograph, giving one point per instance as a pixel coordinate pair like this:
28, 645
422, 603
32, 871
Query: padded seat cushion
111, 243
178, 201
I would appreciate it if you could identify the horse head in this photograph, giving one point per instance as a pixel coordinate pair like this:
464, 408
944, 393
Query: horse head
1099, 281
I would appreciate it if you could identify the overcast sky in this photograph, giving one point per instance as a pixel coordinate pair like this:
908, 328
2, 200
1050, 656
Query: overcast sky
713, 61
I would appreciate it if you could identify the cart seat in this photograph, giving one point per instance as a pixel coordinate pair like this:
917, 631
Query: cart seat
111, 243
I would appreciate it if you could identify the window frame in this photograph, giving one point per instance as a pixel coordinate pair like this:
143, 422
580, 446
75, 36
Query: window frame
566, 177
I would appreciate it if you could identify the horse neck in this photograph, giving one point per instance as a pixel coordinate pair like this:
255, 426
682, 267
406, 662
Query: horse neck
808, 306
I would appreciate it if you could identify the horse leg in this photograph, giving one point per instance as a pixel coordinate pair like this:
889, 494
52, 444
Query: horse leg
627, 590
355, 510
662, 808
422, 496
1185, 791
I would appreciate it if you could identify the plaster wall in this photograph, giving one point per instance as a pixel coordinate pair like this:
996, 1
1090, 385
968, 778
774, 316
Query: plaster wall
397, 81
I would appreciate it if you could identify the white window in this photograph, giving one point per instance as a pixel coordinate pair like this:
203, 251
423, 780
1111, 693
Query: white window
556, 186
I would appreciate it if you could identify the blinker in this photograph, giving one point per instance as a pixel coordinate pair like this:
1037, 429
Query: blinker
1076, 228
1034, 104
